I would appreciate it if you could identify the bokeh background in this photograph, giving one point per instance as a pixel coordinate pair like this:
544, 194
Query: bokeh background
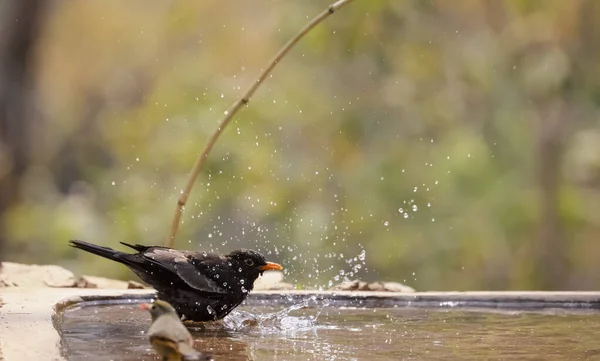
450, 145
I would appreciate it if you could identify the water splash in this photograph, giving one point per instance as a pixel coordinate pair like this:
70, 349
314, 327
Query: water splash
277, 322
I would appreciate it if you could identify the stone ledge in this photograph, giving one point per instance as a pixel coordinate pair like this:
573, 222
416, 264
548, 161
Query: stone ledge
530, 300
33, 311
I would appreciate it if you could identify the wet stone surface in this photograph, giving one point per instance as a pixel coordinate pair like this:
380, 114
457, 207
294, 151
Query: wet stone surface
117, 332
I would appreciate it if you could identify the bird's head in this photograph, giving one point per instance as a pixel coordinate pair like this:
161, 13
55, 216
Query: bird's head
251, 264
158, 308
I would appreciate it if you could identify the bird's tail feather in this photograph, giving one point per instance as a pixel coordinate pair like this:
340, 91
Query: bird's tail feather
99, 250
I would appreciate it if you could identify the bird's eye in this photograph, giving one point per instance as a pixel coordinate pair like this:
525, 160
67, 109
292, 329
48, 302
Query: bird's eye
249, 262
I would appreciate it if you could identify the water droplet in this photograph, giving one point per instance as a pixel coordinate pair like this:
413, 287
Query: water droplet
362, 255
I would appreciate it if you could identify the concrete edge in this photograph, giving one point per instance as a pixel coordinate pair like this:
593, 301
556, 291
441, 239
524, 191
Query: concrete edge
530, 300
38, 311
30, 319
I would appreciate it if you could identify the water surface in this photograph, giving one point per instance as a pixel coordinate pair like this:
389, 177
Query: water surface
117, 332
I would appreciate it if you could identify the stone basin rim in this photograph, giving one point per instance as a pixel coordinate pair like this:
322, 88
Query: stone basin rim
530, 300
25, 311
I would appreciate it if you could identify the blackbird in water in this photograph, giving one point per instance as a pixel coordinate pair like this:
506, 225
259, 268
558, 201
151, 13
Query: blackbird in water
169, 337
201, 286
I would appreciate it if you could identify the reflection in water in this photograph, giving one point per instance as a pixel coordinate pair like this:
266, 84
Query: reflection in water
117, 332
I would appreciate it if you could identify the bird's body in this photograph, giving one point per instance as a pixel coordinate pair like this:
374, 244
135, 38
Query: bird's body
169, 337
201, 286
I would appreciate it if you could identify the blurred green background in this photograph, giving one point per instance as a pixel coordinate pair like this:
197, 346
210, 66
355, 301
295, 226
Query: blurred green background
451, 145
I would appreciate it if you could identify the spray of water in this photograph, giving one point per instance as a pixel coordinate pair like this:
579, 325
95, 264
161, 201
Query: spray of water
278, 321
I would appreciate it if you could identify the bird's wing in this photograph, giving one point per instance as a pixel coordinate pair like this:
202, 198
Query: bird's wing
195, 272
197, 279
165, 344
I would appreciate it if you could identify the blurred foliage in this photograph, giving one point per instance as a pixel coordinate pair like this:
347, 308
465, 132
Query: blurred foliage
453, 144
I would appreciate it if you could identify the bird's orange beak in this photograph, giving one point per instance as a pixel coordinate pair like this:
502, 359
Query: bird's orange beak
270, 266
145, 306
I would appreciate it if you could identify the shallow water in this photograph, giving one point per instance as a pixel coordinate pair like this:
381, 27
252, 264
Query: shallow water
117, 332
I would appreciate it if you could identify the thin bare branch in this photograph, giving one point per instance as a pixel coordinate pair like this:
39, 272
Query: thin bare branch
181, 202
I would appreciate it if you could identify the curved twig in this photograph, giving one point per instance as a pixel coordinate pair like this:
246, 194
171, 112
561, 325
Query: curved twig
181, 202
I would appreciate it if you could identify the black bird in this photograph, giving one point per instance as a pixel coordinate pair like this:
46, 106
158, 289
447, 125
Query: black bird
201, 286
